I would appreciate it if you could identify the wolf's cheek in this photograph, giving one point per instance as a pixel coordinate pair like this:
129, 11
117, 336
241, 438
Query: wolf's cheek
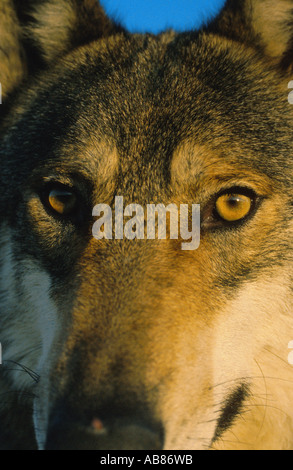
30, 306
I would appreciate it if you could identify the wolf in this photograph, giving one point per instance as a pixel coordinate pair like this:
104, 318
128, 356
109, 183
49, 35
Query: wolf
137, 344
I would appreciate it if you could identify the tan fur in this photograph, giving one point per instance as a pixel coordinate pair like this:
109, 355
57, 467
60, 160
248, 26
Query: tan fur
268, 412
55, 22
273, 24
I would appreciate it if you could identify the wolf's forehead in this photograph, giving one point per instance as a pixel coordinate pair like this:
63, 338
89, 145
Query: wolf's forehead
187, 88
130, 104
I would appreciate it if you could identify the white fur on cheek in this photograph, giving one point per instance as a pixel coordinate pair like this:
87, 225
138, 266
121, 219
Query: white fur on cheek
29, 326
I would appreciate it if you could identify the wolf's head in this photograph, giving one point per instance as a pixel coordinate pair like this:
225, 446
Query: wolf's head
137, 344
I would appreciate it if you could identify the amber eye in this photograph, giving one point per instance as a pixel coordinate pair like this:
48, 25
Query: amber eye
233, 207
62, 200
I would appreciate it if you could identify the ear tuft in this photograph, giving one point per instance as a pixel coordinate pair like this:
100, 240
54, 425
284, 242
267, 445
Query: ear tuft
272, 20
37, 32
58, 26
264, 24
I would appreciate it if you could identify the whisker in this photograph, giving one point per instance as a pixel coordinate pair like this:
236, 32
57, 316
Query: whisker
29, 371
266, 399
238, 379
259, 405
276, 355
236, 442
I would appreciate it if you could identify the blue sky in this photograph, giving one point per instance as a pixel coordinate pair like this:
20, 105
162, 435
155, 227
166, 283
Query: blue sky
156, 15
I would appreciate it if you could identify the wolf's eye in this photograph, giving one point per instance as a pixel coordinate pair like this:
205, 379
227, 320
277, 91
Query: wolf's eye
233, 207
61, 200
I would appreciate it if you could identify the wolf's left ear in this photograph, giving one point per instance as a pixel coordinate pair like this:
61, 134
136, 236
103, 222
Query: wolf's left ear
34, 33
265, 24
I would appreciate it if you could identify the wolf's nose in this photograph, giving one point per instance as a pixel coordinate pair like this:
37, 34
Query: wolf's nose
98, 426
98, 435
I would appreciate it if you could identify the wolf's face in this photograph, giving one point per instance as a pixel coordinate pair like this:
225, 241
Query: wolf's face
136, 344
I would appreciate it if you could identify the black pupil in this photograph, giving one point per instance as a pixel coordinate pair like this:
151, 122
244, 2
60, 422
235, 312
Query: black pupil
233, 201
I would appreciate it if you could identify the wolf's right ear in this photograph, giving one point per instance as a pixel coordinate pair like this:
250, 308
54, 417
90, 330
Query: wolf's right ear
34, 33
264, 24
